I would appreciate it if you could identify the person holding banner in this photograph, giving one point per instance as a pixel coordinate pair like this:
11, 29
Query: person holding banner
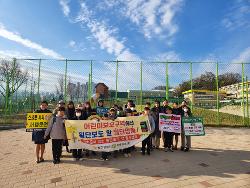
77, 153
111, 115
147, 141
70, 114
168, 136
127, 151
176, 110
88, 111
185, 140
56, 130
157, 133
38, 134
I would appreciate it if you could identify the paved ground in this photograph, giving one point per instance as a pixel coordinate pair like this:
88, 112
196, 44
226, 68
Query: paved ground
219, 159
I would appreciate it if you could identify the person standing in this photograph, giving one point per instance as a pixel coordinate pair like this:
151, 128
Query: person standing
38, 134
77, 153
147, 141
157, 133
176, 111
168, 136
56, 130
185, 140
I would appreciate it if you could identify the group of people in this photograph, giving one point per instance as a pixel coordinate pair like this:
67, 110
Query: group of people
82, 111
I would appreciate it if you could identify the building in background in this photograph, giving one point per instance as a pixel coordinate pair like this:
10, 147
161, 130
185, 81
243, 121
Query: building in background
204, 98
234, 91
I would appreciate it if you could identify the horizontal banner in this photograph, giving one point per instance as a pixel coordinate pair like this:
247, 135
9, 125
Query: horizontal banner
193, 126
170, 123
107, 135
37, 121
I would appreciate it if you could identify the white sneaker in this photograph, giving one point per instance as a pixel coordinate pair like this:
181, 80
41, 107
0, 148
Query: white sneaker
126, 155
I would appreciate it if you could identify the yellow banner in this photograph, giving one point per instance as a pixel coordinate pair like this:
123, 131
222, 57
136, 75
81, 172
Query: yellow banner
107, 135
37, 121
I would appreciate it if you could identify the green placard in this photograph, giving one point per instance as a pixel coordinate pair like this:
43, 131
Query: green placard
193, 126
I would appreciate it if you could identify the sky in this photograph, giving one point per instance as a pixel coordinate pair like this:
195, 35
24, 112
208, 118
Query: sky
151, 30
172, 30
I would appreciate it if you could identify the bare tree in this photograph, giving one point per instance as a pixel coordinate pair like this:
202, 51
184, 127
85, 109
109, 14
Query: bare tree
12, 77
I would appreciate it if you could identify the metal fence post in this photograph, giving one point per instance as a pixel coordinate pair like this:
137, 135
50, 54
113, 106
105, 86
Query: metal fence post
242, 92
65, 80
39, 78
141, 89
167, 85
116, 81
247, 101
217, 93
89, 96
191, 83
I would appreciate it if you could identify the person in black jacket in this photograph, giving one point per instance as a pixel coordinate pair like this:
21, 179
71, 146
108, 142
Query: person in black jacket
185, 140
177, 111
77, 153
38, 134
88, 111
156, 135
70, 114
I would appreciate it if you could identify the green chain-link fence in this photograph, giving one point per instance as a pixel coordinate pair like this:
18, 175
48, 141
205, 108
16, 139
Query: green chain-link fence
219, 92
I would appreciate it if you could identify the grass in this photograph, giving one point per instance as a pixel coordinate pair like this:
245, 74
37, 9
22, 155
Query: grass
12, 119
225, 119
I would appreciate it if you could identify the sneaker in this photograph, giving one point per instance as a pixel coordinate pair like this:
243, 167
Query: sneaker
74, 159
186, 149
170, 149
166, 149
182, 148
42, 160
126, 155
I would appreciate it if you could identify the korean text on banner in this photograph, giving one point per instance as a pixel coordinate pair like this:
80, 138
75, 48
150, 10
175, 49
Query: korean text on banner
107, 135
193, 126
170, 123
37, 121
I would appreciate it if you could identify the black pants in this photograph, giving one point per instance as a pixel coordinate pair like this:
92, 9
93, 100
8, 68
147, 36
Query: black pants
168, 139
105, 155
146, 142
77, 153
57, 149
127, 150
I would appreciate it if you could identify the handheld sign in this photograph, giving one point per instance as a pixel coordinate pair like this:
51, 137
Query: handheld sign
101, 111
170, 123
37, 121
193, 126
